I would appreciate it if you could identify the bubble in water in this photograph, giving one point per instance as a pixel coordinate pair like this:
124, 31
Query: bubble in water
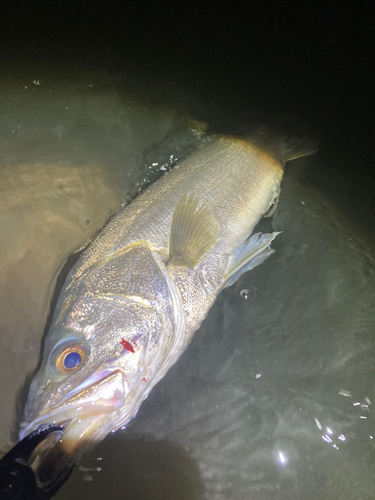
245, 294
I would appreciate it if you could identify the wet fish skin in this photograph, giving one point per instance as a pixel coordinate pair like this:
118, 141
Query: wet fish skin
127, 288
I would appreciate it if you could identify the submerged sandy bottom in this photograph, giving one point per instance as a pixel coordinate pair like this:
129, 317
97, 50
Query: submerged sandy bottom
47, 212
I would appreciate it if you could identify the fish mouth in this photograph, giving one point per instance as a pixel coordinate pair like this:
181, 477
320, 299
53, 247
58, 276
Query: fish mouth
84, 410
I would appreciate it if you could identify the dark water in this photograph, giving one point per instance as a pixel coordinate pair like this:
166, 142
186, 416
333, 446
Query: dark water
274, 397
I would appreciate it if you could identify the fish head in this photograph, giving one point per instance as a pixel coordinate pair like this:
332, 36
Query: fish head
112, 337
98, 365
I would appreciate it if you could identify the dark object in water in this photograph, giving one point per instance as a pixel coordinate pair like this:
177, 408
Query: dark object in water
17, 479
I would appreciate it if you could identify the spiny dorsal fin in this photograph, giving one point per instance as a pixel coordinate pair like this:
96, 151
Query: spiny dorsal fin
193, 232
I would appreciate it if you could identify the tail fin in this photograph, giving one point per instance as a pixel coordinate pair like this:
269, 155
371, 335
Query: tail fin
295, 147
285, 146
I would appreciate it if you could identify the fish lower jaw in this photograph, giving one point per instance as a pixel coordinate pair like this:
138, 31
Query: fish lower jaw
79, 423
79, 431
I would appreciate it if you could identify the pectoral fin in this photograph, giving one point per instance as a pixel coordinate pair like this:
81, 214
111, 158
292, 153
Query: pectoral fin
250, 254
194, 232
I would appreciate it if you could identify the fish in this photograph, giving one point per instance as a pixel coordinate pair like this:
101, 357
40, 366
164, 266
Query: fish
134, 299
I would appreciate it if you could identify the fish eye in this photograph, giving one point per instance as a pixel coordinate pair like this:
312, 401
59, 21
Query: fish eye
71, 358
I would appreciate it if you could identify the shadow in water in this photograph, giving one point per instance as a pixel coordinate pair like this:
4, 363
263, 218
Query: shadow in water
136, 469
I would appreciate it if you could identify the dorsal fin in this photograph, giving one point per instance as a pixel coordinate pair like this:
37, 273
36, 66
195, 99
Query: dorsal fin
194, 232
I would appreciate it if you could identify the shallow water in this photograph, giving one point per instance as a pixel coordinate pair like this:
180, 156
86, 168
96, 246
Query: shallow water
274, 397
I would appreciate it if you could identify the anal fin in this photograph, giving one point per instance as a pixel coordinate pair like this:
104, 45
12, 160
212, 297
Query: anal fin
194, 232
250, 254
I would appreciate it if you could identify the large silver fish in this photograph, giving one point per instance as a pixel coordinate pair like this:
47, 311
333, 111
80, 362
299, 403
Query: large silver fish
132, 302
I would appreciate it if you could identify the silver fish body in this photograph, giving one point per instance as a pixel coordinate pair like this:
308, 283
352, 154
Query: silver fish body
132, 302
